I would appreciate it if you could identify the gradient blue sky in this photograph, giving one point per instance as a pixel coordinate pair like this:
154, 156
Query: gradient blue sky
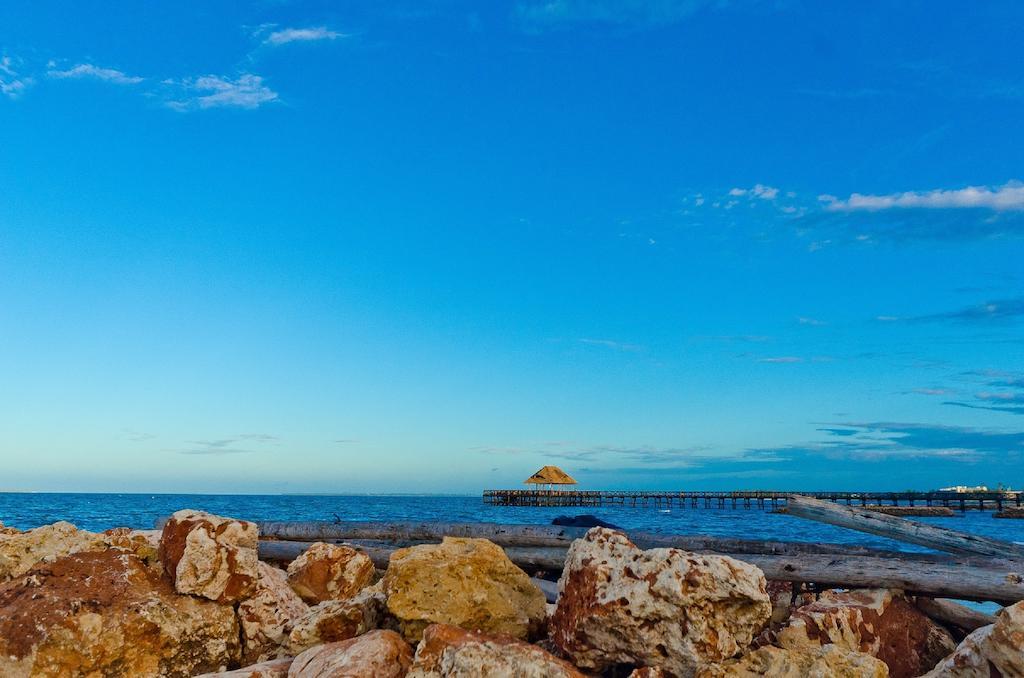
429, 246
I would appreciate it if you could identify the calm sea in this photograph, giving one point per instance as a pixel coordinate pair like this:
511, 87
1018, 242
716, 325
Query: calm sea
102, 511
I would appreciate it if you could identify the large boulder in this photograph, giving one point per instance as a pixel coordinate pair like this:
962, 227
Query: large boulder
662, 608
210, 556
4, 530
377, 654
825, 661
335, 620
994, 650
20, 551
450, 652
104, 613
267, 617
330, 572
469, 583
274, 668
880, 622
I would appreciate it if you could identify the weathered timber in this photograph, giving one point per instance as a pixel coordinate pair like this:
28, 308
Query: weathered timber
942, 580
931, 536
913, 511
952, 613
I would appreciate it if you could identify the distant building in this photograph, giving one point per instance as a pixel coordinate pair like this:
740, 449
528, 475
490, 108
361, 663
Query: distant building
961, 489
550, 476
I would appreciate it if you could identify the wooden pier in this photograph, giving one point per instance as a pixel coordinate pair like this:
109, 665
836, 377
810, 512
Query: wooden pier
761, 499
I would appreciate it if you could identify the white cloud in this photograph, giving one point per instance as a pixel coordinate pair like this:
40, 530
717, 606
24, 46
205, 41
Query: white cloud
93, 71
782, 359
11, 84
286, 35
247, 91
758, 191
1009, 196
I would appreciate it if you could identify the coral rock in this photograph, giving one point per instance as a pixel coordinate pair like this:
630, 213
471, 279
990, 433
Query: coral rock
880, 622
449, 652
330, 572
334, 620
662, 608
267, 616
469, 583
275, 668
210, 556
826, 661
994, 650
104, 613
20, 551
377, 654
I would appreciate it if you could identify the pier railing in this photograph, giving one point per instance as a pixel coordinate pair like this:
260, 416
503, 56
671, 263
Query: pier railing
747, 498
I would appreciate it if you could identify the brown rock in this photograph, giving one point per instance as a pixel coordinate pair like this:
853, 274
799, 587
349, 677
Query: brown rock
275, 668
991, 651
20, 551
660, 608
8, 530
267, 617
334, 620
210, 556
469, 583
330, 572
377, 654
450, 652
825, 661
880, 622
104, 613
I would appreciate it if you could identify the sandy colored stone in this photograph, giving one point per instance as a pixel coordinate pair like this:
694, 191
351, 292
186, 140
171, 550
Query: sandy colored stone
4, 530
143, 543
210, 556
20, 551
469, 583
663, 608
335, 620
104, 613
274, 668
880, 622
267, 616
330, 572
994, 650
823, 661
450, 652
377, 654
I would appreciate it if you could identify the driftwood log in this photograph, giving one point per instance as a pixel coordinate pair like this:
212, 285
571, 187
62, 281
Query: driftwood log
912, 532
952, 613
961, 580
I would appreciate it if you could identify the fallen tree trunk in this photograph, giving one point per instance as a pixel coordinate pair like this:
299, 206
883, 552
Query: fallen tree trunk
549, 535
960, 580
954, 614
922, 534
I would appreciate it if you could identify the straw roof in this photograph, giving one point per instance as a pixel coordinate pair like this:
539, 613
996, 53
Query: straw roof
551, 475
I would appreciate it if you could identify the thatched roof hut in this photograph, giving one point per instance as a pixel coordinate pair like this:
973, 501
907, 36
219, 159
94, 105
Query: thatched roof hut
550, 475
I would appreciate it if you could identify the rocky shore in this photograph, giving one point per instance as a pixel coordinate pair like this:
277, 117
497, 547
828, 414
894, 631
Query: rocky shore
194, 599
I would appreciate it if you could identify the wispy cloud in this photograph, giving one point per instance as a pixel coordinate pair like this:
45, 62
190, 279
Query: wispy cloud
94, 72
12, 85
781, 359
759, 191
213, 91
312, 34
986, 312
226, 446
813, 322
1009, 398
609, 343
1009, 196
638, 13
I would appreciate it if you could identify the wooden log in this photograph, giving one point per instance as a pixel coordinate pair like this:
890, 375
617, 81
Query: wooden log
913, 511
954, 614
546, 535
940, 580
931, 536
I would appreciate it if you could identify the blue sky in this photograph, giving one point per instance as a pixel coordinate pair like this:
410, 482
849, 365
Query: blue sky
429, 246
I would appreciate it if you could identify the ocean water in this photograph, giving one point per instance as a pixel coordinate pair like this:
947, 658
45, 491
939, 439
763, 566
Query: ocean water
103, 511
